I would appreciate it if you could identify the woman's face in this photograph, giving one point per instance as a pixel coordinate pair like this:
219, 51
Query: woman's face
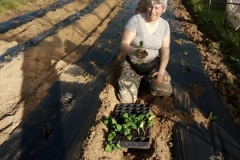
154, 11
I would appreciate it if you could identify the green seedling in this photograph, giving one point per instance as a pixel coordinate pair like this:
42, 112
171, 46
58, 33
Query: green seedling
86, 75
179, 41
112, 123
107, 50
111, 41
130, 122
149, 119
141, 126
140, 44
174, 32
185, 52
182, 40
211, 117
127, 132
138, 122
7, 57
28, 43
112, 146
1, 26
119, 25
111, 136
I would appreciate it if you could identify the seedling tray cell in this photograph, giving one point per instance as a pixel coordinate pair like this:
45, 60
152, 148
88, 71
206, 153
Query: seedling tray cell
137, 141
137, 109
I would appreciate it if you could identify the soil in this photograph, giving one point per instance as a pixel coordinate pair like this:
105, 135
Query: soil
26, 79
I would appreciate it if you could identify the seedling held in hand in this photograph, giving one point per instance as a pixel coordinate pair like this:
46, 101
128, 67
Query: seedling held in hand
211, 117
141, 54
140, 44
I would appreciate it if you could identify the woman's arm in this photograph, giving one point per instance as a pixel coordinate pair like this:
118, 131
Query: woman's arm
165, 52
125, 46
127, 38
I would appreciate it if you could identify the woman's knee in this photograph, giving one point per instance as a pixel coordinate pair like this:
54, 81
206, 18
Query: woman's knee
126, 97
161, 89
128, 91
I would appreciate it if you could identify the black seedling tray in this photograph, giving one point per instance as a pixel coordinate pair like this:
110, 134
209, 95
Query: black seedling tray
138, 142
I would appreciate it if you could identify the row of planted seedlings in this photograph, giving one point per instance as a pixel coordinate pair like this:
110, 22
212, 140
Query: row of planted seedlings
129, 127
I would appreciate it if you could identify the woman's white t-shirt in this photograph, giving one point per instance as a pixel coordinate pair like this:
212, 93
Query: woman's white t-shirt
151, 42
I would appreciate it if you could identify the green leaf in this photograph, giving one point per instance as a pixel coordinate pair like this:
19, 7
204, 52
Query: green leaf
213, 118
111, 136
125, 115
106, 121
132, 116
118, 127
142, 124
108, 148
150, 123
118, 145
140, 117
127, 120
114, 121
7, 57
129, 137
114, 147
148, 114
133, 125
151, 117
210, 115
141, 43
185, 52
126, 131
107, 50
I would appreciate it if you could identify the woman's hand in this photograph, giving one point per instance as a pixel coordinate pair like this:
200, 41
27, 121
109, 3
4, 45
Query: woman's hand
141, 54
159, 77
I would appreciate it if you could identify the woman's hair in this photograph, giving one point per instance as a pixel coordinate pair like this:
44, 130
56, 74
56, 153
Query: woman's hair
151, 2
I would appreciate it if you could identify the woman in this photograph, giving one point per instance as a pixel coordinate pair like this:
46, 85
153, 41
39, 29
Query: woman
154, 32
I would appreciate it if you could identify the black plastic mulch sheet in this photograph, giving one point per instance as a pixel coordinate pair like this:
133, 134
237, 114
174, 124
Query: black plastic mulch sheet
60, 123
194, 141
14, 51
